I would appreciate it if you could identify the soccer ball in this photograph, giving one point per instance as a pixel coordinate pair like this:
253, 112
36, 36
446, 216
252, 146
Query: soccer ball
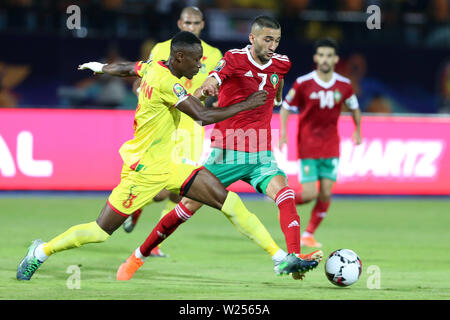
343, 267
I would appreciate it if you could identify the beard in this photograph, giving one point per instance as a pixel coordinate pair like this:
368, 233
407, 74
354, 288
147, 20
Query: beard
263, 58
261, 55
325, 68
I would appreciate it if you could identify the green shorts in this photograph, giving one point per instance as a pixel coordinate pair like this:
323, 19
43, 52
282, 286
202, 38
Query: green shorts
315, 169
255, 168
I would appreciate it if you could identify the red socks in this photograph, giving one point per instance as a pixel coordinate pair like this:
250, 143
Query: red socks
135, 216
289, 219
165, 227
318, 213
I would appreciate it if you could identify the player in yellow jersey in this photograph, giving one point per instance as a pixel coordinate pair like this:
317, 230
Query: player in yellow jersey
190, 134
151, 165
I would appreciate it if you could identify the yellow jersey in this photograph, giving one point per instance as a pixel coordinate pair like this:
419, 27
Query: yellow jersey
211, 56
190, 134
156, 119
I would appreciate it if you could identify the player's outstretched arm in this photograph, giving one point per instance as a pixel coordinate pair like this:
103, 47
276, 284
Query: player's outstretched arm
119, 69
194, 108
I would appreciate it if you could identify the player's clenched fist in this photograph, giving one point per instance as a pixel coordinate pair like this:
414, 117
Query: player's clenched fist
97, 67
256, 99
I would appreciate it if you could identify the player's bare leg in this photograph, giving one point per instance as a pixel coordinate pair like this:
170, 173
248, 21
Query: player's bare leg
207, 189
325, 190
318, 213
97, 231
192, 205
109, 220
308, 193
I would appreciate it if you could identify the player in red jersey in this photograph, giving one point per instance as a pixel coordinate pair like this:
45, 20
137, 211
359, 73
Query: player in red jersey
241, 147
319, 96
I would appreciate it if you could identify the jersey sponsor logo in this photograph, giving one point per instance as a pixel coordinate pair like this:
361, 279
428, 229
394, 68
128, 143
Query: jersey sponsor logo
179, 90
274, 79
26, 163
220, 65
392, 158
248, 73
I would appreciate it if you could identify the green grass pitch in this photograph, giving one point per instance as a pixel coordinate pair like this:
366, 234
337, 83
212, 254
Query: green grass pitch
407, 240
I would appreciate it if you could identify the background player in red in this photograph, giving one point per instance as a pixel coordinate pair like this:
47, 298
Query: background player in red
319, 96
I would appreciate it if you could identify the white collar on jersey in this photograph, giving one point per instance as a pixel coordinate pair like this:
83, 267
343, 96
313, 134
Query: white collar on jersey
256, 64
322, 83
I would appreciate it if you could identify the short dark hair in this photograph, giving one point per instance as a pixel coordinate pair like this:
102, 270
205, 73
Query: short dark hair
266, 21
184, 39
326, 42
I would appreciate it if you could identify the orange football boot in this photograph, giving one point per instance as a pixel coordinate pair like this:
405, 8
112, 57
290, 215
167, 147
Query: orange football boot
129, 267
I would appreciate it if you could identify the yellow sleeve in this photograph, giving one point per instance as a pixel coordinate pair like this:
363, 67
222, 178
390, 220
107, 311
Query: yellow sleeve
172, 92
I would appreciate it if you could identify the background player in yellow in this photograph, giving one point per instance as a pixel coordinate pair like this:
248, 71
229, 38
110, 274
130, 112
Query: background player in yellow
191, 134
191, 19
149, 164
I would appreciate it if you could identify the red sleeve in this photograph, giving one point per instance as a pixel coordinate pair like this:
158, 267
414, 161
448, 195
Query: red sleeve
287, 66
283, 63
349, 91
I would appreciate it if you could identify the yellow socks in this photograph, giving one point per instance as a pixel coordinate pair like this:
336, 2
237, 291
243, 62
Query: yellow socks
247, 223
76, 236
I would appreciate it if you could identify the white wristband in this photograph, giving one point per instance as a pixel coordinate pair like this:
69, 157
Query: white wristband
277, 103
94, 66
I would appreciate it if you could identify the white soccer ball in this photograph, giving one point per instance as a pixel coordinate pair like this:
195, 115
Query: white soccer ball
343, 267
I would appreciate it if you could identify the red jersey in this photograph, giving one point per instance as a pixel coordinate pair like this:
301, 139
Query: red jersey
319, 104
239, 75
